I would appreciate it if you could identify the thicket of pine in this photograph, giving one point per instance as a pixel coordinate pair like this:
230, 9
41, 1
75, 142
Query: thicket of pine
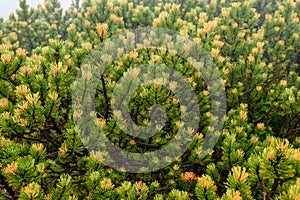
255, 44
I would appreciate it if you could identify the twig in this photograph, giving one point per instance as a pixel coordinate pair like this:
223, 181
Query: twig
6, 195
291, 130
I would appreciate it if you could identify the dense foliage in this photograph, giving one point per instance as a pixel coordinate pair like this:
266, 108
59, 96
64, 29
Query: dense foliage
254, 43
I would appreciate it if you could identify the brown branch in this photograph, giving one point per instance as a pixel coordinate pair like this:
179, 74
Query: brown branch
293, 128
5, 195
14, 194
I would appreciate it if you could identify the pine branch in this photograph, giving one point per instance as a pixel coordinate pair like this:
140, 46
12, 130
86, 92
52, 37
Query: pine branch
293, 128
5, 195
14, 195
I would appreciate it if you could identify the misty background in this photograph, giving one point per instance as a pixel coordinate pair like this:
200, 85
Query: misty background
9, 6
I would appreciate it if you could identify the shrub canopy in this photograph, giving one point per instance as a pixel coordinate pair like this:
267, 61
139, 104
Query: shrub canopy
255, 45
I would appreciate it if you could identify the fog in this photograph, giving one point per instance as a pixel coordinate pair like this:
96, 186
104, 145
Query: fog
9, 6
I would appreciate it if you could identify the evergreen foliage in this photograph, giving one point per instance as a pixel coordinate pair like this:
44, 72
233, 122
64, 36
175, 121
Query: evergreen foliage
254, 43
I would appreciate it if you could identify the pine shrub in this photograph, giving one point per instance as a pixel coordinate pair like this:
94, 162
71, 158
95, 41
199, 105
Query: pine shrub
255, 45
